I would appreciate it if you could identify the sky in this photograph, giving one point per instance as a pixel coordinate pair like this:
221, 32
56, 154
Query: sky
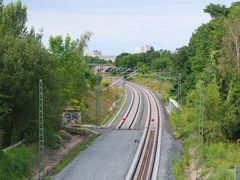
120, 26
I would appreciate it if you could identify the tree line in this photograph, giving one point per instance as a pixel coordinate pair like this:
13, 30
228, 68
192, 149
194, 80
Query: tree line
23, 61
212, 56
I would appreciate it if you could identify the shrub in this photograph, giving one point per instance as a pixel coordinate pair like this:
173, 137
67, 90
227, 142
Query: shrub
105, 83
16, 163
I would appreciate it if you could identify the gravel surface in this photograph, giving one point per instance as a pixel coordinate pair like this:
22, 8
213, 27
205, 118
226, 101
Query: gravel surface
170, 148
107, 158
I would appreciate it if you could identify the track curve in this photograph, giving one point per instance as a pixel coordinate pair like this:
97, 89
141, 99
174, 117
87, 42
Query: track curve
144, 164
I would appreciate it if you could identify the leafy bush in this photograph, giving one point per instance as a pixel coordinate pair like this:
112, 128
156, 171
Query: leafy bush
17, 163
105, 83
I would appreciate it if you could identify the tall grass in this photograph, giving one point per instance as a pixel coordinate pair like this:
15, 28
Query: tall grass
160, 87
220, 173
107, 99
16, 164
220, 159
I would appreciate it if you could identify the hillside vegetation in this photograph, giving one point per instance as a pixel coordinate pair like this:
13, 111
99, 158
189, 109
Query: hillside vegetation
209, 63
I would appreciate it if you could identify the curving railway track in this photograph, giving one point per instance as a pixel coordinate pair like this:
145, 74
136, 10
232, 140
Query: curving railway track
145, 163
132, 114
116, 155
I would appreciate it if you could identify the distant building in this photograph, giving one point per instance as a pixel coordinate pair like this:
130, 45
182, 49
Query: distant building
108, 58
143, 49
94, 53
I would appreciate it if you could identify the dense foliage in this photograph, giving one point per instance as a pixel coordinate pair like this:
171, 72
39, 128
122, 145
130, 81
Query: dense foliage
212, 56
95, 60
154, 60
23, 61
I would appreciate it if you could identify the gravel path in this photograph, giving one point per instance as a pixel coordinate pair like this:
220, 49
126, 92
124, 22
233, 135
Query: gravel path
108, 158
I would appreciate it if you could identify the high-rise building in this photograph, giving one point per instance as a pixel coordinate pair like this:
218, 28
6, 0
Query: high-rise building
143, 49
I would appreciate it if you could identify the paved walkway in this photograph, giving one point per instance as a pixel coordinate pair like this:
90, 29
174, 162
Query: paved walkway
107, 158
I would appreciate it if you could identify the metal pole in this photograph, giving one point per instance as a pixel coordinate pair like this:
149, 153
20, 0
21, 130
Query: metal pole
179, 98
41, 132
97, 101
200, 124
179, 88
200, 121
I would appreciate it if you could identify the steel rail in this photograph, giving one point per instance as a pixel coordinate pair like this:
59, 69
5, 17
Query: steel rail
144, 160
133, 167
137, 110
129, 108
132, 110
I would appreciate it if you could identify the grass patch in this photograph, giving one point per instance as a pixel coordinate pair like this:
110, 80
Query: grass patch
157, 86
75, 152
219, 158
17, 163
178, 169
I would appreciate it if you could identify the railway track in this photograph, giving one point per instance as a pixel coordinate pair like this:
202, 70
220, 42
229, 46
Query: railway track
145, 163
130, 117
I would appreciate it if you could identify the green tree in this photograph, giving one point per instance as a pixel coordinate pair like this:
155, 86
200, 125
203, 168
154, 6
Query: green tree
212, 118
14, 18
182, 66
142, 67
161, 60
229, 68
1, 10
75, 77
216, 10
231, 40
23, 62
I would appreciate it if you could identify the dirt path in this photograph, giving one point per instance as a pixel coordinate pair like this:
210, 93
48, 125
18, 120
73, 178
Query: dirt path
192, 170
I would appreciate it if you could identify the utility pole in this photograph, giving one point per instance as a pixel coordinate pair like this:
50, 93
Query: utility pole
179, 88
200, 124
41, 132
179, 98
97, 100
200, 119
